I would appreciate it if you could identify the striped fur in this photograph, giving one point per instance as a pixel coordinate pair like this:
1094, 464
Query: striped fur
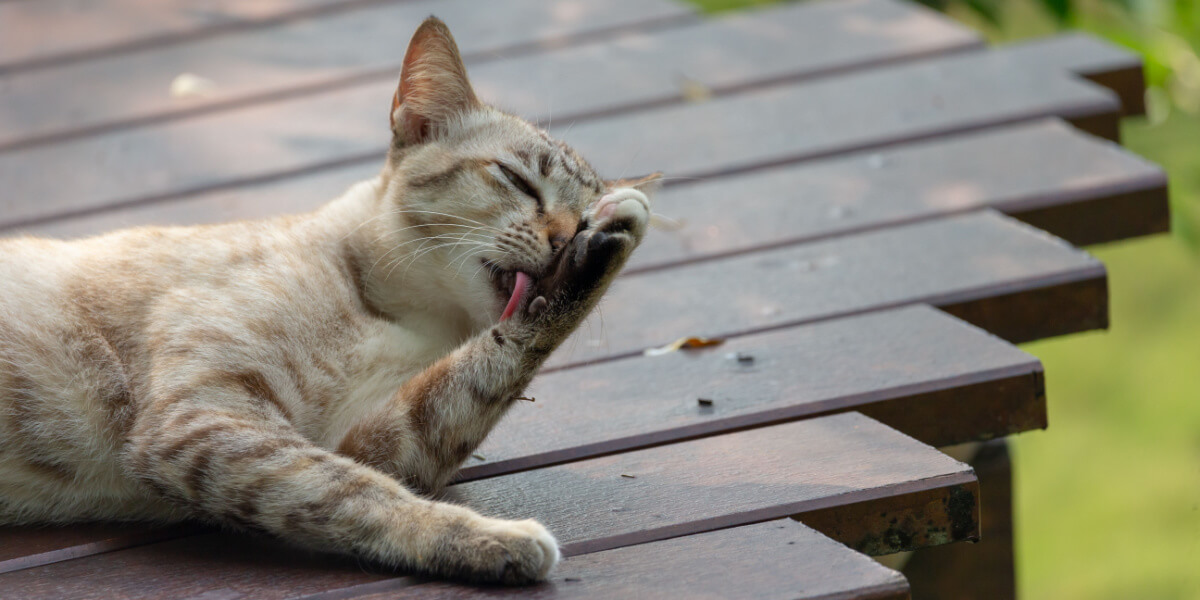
314, 376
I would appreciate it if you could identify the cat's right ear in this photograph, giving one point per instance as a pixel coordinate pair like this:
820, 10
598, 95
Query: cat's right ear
433, 85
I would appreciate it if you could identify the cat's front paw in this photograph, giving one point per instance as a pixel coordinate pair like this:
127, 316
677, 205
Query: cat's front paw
509, 552
614, 227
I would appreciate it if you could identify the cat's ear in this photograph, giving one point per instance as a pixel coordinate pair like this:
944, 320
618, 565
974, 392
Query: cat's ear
648, 185
433, 85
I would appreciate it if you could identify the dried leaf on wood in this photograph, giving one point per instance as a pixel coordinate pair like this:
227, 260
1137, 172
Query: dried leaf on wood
684, 343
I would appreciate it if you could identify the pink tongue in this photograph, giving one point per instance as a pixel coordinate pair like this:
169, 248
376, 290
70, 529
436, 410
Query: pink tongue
519, 288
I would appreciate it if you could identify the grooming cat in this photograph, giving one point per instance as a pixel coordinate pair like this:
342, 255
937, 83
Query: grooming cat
311, 375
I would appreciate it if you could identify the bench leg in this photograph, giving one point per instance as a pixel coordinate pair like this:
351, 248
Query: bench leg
984, 571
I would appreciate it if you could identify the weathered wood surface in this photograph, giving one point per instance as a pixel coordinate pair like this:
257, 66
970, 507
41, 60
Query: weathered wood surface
703, 485
776, 559
777, 125
1097, 192
1094, 190
991, 265
733, 479
1099, 61
83, 30
25, 547
303, 56
931, 375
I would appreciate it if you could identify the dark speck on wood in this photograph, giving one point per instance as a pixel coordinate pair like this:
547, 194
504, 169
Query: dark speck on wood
705, 401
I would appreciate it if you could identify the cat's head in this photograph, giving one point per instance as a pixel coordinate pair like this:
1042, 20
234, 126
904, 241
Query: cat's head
474, 195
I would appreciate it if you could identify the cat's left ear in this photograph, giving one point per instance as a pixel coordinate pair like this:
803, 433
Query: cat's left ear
648, 185
433, 85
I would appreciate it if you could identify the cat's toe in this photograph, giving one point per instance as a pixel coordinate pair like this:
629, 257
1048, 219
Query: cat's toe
625, 210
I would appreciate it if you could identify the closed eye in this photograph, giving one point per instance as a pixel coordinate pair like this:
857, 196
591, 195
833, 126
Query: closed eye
520, 183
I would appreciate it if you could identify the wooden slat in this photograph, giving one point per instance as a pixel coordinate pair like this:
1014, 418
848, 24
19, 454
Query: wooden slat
732, 479
998, 274
775, 559
25, 547
45, 32
927, 374
773, 126
844, 461
1044, 172
299, 57
790, 42
1099, 61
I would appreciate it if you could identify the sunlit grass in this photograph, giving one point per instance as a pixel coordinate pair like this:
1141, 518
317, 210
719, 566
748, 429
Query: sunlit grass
1108, 498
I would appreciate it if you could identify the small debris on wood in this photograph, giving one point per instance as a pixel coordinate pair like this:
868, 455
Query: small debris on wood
572, 579
741, 357
682, 344
524, 398
626, 476
705, 401
694, 91
478, 457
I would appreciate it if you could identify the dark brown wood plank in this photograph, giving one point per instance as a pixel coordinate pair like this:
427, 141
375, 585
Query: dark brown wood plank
46, 32
299, 57
788, 42
1099, 61
778, 125
204, 566
801, 468
926, 374
981, 266
25, 547
1043, 172
775, 559
733, 479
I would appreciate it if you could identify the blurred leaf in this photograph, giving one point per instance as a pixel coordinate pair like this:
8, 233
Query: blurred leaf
988, 9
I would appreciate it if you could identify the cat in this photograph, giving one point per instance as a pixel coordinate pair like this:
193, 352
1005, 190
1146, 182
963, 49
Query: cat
317, 376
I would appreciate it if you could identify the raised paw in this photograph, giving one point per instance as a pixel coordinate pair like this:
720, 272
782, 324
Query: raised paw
624, 210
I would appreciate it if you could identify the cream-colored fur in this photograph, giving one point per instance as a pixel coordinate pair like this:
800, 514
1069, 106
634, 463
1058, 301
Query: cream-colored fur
312, 375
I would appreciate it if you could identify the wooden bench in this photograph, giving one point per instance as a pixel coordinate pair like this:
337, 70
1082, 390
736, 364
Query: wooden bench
857, 189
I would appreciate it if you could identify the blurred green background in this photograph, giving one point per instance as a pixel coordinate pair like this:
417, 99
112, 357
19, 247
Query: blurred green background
1108, 498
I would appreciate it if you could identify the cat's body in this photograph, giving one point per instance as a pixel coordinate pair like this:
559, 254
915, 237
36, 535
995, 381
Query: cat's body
311, 375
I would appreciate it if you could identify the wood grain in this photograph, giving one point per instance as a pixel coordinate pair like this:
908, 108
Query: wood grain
776, 559
922, 371
303, 56
990, 265
779, 125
